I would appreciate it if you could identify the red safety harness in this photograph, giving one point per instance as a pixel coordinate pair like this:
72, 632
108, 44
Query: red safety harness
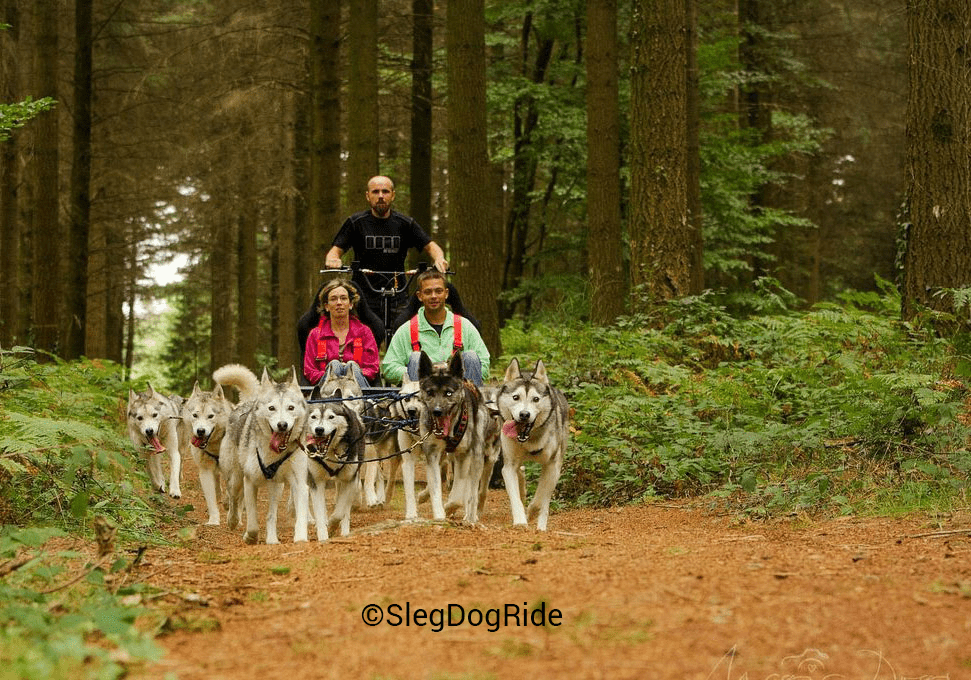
322, 345
456, 342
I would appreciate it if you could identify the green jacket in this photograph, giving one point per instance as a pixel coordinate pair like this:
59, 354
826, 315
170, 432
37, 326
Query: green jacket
437, 347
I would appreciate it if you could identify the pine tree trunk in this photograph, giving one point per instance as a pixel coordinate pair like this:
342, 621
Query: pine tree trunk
938, 150
693, 120
324, 202
604, 245
9, 179
660, 236
287, 300
77, 259
470, 195
221, 277
48, 277
362, 102
421, 112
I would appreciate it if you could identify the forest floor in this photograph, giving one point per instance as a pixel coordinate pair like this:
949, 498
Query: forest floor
669, 590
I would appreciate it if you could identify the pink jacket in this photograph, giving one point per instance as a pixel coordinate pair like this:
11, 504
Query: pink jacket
315, 364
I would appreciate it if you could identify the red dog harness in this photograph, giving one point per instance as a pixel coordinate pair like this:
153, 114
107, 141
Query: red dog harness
456, 341
322, 345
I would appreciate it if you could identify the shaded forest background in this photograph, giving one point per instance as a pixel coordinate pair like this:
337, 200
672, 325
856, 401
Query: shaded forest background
233, 138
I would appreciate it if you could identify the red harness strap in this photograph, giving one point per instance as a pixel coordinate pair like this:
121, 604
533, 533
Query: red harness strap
457, 345
358, 346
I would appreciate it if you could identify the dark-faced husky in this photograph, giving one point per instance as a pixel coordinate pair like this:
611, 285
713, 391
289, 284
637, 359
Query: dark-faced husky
263, 447
334, 441
455, 415
535, 428
153, 428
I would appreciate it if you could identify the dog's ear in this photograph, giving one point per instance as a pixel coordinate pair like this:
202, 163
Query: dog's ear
338, 393
293, 376
315, 392
195, 389
512, 371
424, 366
217, 392
455, 366
265, 379
151, 391
539, 373
131, 396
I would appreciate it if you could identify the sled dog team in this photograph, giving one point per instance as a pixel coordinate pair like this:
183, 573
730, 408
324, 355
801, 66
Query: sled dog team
274, 435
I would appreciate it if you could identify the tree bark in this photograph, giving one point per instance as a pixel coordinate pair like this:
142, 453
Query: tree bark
76, 294
421, 112
48, 278
9, 179
324, 203
693, 120
362, 102
938, 151
470, 199
607, 277
660, 236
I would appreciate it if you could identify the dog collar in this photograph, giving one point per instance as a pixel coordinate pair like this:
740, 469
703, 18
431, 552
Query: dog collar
452, 439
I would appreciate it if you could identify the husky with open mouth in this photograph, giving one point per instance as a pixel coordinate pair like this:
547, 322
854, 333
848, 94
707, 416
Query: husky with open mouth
334, 440
263, 447
154, 428
455, 417
535, 427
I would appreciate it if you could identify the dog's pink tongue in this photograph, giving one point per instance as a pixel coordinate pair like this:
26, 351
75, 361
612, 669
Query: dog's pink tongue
156, 445
445, 424
198, 442
509, 429
278, 441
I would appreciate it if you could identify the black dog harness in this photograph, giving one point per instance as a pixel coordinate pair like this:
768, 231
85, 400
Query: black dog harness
269, 471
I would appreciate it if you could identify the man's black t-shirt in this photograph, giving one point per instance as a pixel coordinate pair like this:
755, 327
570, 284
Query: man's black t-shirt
381, 245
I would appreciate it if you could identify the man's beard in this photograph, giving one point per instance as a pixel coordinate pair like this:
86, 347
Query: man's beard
381, 209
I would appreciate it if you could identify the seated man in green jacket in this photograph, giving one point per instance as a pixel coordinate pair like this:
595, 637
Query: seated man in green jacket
437, 332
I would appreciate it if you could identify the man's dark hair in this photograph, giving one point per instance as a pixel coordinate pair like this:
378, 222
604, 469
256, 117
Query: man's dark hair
429, 274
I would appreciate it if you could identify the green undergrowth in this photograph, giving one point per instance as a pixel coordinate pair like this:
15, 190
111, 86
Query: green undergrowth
65, 468
839, 409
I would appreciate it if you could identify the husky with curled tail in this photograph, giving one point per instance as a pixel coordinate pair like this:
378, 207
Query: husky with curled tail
154, 428
263, 447
205, 417
535, 427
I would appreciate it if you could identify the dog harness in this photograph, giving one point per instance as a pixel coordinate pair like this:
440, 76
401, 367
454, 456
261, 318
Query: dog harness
456, 340
269, 471
358, 345
454, 438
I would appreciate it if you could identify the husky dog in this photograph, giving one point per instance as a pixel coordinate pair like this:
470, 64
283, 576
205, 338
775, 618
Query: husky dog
153, 427
263, 447
455, 415
410, 408
371, 477
205, 416
535, 428
335, 447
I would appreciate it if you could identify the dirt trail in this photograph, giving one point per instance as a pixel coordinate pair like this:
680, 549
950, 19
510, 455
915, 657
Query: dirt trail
665, 591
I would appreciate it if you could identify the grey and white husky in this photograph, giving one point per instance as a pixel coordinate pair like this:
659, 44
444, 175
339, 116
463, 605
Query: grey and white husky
371, 480
205, 417
456, 416
154, 428
262, 448
535, 428
334, 440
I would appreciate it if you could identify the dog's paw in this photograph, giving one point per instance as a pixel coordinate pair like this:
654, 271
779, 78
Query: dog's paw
251, 537
213, 522
521, 527
175, 494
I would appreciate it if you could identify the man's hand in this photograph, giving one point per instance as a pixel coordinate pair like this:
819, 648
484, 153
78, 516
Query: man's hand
441, 264
333, 263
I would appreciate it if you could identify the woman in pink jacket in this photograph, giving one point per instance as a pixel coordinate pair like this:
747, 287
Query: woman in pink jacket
340, 343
